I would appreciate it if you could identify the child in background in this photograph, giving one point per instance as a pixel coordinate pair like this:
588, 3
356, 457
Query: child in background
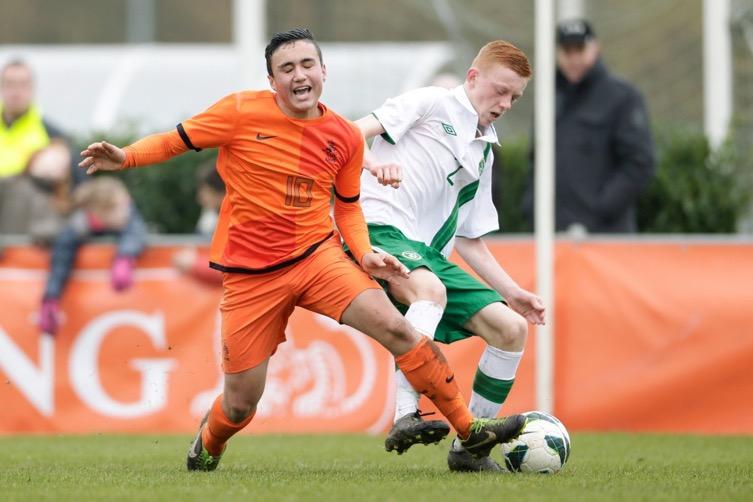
101, 206
37, 201
210, 192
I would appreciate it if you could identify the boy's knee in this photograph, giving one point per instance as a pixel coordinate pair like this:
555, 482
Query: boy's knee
510, 334
423, 285
399, 335
434, 291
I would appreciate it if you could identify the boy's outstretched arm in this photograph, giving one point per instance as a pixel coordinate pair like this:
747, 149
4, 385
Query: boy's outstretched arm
482, 261
386, 174
103, 156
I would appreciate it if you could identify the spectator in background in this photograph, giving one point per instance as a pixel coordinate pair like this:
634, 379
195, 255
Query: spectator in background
23, 131
604, 151
37, 201
101, 206
210, 191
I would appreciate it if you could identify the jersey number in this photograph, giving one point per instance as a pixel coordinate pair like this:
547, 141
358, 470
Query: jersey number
299, 191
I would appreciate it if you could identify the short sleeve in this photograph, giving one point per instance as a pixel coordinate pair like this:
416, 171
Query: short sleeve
213, 127
481, 217
399, 114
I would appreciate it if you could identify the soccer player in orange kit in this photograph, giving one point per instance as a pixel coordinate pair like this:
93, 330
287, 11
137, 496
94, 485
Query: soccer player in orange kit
281, 155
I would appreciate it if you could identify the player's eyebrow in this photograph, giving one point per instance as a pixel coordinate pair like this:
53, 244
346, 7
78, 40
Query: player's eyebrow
286, 64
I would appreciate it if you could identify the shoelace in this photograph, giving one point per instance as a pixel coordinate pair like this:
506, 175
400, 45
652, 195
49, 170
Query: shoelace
480, 423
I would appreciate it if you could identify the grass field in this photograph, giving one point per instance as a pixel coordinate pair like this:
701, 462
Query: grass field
602, 467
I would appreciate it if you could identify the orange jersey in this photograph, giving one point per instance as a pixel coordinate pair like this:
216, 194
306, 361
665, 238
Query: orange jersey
279, 173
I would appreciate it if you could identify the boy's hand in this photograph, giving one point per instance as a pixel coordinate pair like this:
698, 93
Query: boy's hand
383, 266
387, 174
528, 305
102, 156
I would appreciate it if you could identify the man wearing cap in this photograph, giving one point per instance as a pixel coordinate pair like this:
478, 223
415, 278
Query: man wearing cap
604, 151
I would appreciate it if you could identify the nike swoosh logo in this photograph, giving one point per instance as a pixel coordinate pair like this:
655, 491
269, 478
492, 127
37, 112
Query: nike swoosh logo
490, 438
450, 378
262, 138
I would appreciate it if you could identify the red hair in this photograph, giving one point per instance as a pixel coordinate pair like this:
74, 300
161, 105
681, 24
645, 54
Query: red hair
503, 53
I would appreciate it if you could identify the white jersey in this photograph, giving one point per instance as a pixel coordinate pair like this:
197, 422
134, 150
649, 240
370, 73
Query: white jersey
447, 186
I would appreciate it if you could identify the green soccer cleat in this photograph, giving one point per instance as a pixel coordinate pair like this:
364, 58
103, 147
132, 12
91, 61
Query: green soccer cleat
459, 460
411, 429
486, 432
198, 458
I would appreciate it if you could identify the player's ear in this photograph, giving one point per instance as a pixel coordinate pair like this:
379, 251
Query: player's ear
324, 72
471, 76
272, 82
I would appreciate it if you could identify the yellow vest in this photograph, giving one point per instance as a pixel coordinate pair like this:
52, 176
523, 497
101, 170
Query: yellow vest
18, 142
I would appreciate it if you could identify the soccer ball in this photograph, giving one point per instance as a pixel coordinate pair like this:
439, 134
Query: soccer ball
543, 446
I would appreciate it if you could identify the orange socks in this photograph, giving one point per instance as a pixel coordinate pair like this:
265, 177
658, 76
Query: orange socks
219, 428
428, 372
425, 368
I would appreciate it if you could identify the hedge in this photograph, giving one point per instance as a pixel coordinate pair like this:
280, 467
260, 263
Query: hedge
695, 190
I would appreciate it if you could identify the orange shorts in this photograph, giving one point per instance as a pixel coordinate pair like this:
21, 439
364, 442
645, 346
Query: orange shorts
255, 307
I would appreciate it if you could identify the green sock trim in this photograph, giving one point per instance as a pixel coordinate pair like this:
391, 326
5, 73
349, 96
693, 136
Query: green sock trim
490, 388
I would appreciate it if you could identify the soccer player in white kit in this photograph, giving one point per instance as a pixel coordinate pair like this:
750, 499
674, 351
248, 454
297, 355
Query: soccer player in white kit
435, 144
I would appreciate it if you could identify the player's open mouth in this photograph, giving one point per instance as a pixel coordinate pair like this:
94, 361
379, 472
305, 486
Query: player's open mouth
302, 91
496, 115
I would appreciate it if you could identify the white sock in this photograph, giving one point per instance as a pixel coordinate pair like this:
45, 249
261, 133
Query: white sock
483, 408
424, 316
406, 399
495, 375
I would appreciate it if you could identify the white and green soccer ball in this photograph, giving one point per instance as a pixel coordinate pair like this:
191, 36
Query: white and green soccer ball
543, 446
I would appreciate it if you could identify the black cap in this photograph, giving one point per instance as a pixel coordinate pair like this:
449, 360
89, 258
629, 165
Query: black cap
575, 32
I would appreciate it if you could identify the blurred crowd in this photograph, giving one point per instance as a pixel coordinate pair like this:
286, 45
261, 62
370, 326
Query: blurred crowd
46, 197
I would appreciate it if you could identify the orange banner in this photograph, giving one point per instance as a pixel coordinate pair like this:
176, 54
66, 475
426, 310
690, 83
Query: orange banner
650, 337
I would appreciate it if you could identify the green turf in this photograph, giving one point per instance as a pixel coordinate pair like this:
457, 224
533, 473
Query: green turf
603, 467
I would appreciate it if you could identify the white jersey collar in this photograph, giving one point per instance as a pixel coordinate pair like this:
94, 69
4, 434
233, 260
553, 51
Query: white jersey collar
489, 133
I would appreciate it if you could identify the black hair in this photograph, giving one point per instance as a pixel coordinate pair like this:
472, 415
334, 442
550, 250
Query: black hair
286, 37
208, 175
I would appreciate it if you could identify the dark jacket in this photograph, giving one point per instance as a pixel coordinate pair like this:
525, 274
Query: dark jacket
27, 209
130, 241
604, 153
